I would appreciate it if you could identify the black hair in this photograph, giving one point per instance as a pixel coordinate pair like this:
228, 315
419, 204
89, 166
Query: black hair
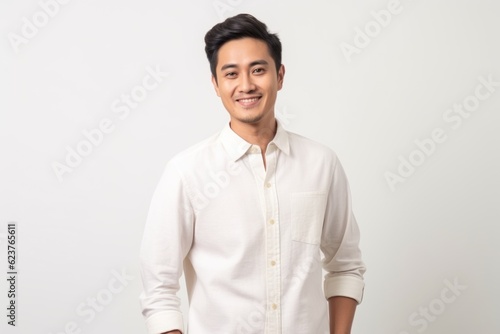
237, 27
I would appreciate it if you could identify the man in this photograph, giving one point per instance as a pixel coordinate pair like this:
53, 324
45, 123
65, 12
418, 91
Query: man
247, 213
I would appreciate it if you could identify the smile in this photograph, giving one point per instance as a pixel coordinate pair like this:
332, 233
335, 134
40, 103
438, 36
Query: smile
249, 102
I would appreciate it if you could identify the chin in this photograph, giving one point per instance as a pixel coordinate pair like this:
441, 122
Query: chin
250, 119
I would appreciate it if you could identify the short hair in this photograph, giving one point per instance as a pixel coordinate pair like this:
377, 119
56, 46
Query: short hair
237, 27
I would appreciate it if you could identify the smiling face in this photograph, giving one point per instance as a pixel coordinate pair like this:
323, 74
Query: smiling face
247, 81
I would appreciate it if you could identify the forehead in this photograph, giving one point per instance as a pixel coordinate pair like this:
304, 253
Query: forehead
243, 51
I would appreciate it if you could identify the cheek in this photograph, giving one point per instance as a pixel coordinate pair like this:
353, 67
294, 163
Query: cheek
227, 89
270, 85
271, 89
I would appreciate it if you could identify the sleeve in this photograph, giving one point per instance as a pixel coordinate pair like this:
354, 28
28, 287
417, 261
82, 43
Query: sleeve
340, 242
167, 239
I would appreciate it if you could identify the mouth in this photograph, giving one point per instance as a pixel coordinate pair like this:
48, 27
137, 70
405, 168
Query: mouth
249, 102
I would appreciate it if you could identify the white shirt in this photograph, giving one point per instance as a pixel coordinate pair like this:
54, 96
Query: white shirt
252, 240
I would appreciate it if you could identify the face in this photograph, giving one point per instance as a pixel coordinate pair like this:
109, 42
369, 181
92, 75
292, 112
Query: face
247, 82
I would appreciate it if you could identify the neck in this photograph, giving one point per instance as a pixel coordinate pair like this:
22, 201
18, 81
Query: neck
260, 133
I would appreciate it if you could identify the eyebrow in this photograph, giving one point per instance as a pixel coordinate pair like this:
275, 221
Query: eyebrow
256, 62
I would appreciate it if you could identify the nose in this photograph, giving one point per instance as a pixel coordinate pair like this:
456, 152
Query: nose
246, 83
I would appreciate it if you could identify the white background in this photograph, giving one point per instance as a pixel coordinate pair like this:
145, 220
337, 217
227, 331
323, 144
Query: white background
76, 234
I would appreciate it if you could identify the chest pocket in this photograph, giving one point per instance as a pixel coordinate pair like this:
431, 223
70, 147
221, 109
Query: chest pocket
307, 214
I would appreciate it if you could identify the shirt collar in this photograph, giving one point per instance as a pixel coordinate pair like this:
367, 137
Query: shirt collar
236, 146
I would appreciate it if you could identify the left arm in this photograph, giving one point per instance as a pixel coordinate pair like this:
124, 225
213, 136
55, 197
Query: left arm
344, 284
341, 310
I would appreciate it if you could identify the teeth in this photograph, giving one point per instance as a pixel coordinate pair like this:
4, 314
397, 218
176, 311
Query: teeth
249, 100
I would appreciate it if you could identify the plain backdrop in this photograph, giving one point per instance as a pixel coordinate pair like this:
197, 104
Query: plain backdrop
374, 80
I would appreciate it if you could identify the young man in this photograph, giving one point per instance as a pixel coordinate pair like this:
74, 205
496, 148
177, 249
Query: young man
247, 213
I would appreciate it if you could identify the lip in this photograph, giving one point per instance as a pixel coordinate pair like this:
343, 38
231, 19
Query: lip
248, 101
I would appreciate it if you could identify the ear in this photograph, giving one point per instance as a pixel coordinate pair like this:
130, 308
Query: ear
216, 86
281, 76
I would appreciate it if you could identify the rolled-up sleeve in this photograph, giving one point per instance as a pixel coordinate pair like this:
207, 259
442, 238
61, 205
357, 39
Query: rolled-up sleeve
340, 242
167, 239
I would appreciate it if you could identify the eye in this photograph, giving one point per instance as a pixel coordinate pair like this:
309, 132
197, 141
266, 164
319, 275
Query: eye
230, 74
259, 70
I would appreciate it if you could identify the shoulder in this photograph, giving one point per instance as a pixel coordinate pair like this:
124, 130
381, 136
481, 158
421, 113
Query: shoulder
302, 146
197, 153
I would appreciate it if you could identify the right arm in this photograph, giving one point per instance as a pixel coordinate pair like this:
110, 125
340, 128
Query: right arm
166, 240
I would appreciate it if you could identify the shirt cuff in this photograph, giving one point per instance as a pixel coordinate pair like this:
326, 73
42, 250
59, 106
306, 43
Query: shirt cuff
165, 321
345, 286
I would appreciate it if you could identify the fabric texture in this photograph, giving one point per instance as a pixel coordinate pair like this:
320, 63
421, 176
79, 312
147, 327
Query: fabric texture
253, 241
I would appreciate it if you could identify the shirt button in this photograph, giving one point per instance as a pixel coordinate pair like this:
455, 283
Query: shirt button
268, 185
273, 263
274, 306
271, 222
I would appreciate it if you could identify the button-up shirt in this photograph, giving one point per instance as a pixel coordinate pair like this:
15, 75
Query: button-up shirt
252, 240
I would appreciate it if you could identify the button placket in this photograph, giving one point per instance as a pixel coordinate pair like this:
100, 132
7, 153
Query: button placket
265, 178
273, 274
